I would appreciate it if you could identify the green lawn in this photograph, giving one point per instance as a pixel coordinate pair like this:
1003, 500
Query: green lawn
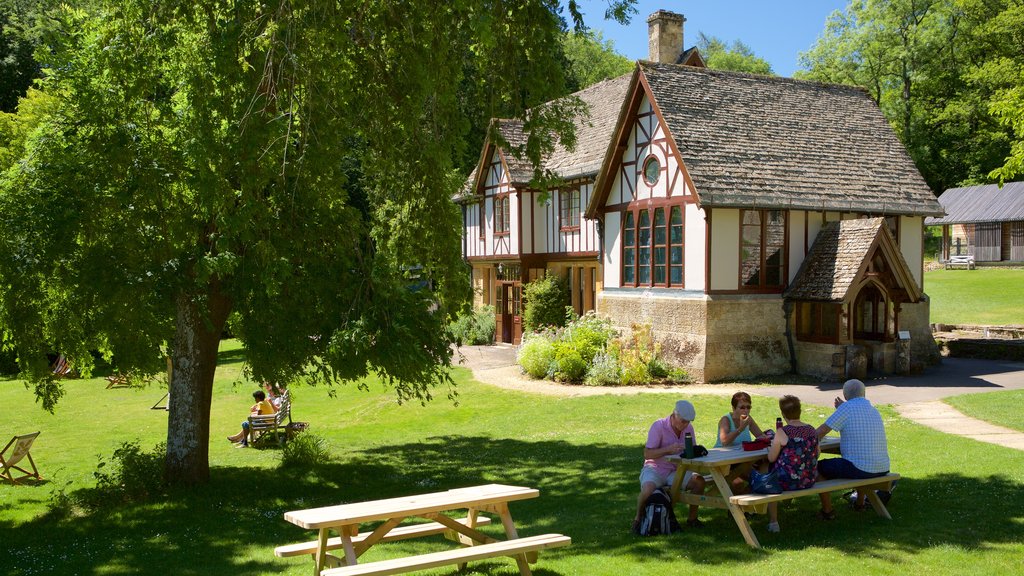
990, 296
1002, 408
584, 454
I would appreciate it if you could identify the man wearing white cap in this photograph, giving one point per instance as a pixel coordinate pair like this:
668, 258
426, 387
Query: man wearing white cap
666, 437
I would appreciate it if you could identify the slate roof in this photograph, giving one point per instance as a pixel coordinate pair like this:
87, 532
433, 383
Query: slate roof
770, 142
988, 203
835, 258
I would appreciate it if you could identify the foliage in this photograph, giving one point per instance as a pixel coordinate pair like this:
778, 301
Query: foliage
536, 355
474, 327
737, 57
18, 38
571, 367
290, 165
989, 296
946, 73
134, 475
544, 302
304, 452
604, 370
591, 59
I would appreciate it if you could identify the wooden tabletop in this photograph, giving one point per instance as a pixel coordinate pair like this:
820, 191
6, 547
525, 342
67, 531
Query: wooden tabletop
729, 455
345, 514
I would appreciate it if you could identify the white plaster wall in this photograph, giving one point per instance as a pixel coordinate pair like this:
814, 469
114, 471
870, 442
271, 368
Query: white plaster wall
725, 249
513, 224
797, 248
529, 206
612, 252
912, 245
814, 224
693, 247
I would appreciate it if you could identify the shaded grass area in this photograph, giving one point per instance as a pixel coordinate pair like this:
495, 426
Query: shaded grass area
584, 455
1002, 408
989, 296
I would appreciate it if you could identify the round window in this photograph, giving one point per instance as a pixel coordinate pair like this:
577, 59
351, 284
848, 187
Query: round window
652, 170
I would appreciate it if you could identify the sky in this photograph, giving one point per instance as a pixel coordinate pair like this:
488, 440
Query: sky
776, 30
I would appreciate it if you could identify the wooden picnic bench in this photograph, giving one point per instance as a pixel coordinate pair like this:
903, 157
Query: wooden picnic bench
390, 514
720, 462
960, 260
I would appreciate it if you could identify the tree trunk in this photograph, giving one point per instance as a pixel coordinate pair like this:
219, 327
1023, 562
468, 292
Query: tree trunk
194, 361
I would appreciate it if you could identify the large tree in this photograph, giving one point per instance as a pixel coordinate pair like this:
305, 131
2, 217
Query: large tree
737, 57
287, 163
938, 69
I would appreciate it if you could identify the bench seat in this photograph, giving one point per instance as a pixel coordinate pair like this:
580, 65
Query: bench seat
759, 502
400, 533
512, 547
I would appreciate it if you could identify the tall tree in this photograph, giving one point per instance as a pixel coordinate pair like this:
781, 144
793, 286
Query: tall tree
932, 66
592, 59
737, 57
289, 163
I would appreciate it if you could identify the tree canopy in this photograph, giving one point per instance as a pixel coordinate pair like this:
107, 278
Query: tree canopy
737, 57
590, 59
947, 74
288, 164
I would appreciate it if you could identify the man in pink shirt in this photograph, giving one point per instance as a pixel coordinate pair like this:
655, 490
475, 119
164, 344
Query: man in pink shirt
666, 437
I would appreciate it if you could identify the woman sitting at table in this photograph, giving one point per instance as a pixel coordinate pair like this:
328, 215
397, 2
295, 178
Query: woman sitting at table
736, 426
792, 456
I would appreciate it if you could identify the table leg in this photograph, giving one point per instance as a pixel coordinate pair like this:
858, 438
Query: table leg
523, 560
725, 489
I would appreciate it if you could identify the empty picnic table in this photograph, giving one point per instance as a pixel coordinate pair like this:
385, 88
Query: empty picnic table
345, 519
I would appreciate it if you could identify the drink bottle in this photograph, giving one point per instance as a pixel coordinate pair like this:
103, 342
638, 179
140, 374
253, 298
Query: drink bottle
688, 439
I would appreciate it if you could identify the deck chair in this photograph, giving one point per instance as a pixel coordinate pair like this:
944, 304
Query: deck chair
60, 367
17, 449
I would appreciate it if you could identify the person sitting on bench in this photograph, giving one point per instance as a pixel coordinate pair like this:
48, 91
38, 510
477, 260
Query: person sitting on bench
792, 456
262, 406
666, 437
862, 444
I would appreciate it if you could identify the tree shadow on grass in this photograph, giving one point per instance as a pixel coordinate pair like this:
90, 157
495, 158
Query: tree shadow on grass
587, 491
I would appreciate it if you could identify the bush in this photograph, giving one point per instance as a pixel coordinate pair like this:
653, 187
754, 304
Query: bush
536, 355
134, 476
474, 327
589, 335
304, 452
571, 367
544, 302
604, 371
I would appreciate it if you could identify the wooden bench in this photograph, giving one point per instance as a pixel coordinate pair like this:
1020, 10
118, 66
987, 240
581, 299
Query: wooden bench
400, 533
263, 424
516, 547
963, 260
759, 502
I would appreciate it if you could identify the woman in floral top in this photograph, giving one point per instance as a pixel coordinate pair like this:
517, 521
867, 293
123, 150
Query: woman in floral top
793, 455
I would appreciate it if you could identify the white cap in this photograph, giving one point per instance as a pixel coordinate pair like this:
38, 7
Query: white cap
685, 410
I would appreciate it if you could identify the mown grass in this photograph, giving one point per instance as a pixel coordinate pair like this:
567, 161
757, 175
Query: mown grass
989, 296
1002, 408
958, 510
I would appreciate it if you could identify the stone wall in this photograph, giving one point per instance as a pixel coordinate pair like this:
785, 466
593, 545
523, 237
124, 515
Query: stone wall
825, 361
923, 350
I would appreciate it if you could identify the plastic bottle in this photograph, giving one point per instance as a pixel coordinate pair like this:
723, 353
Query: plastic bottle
688, 439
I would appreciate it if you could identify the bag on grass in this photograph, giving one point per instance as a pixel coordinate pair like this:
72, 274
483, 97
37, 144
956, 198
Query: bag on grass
765, 483
658, 517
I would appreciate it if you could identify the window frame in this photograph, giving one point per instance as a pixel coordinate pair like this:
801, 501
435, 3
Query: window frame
569, 209
631, 274
817, 333
502, 218
762, 286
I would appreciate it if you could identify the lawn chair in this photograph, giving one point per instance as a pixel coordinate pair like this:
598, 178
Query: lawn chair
9, 461
61, 368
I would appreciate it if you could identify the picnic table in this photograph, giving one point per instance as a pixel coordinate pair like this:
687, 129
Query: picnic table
345, 520
720, 462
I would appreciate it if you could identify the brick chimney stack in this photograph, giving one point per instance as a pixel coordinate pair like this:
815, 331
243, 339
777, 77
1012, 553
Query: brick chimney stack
665, 36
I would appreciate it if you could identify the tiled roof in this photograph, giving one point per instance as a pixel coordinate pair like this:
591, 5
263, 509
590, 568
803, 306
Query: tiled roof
771, 142
593, 132
988, 203
834, 260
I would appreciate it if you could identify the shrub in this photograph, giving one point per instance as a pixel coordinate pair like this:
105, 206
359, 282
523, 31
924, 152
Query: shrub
134, 476
571, 367
589, 335
603, 371
304, 452
544, 302
474, 327
537, 355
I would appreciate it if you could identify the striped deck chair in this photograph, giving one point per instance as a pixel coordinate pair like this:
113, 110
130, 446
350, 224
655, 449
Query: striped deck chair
61, 368
19, 448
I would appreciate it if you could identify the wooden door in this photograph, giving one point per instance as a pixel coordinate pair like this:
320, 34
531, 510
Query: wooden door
504, 311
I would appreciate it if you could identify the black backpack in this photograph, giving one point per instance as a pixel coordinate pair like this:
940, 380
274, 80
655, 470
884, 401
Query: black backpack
658, 517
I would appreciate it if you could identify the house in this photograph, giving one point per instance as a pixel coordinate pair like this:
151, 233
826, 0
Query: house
760, 225
986, 222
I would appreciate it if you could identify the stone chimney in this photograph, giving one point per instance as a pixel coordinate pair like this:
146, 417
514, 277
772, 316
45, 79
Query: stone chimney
665, 36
